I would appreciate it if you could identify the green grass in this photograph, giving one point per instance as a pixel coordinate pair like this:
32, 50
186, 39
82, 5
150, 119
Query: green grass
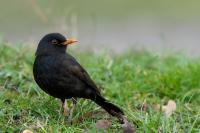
129, 80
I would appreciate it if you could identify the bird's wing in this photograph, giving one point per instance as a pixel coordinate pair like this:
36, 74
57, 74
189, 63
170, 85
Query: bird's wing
78, 71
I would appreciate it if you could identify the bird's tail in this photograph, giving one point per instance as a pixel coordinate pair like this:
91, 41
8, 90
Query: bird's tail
109, 107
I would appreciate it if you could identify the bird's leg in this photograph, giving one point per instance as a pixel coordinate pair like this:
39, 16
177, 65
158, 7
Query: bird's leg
61, 106
74, 102
64, 107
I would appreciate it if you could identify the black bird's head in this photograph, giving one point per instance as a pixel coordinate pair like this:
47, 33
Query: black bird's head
53, 43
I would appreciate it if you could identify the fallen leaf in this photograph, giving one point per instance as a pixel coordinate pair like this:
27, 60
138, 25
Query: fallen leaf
102, 124
127, 128
169, 108
27, 131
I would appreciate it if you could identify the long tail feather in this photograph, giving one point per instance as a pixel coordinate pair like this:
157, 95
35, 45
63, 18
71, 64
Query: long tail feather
109, 107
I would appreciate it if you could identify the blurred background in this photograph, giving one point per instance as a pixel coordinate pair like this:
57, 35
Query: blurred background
155, 25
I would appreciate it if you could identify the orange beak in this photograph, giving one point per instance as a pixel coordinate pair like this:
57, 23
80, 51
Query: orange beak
68, 41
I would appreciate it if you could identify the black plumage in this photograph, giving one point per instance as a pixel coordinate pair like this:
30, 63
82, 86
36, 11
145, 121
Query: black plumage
61, 76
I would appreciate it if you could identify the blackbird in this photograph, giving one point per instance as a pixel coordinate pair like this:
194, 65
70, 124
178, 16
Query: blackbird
59, 74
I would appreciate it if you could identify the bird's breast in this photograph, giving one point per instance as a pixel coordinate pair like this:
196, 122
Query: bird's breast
53, 78
45, 73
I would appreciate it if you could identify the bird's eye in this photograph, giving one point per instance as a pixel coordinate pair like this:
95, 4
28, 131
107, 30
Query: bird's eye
54, 41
